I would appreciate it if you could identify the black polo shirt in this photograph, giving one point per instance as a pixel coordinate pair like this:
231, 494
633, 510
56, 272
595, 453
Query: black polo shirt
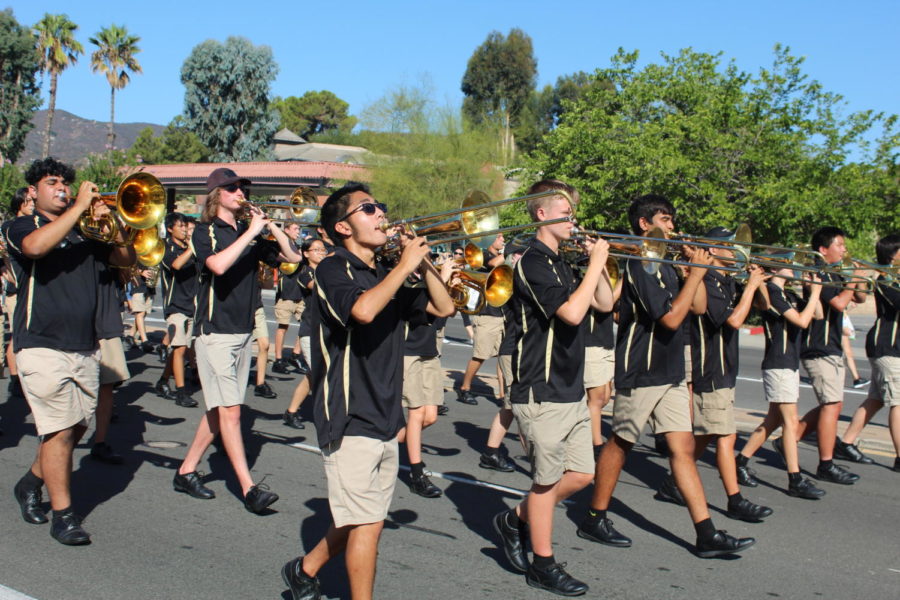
648, 353
109, 304
180, 286
884, 337
357, 369
290, 287
782, 336
227, 303
421, 337
57, 301
600, 330
823, 336
510, 330
714, 343
548, 361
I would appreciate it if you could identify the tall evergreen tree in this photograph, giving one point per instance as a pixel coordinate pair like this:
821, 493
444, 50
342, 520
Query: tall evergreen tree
19, 91
114, 57
58, 50
226, 99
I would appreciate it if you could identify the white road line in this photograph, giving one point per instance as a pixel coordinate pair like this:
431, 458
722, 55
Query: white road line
7, 593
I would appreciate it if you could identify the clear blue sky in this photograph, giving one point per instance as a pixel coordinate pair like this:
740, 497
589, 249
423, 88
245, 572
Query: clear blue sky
359, 50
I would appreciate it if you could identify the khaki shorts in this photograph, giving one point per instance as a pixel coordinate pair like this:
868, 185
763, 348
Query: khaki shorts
285, 309
306, 348
688, 365
666, 407
112, 361
61, 387
141, 303
714, 412
885, 385
180, 327
260, 327
781, 385
827, 374
361, 475
488, 335
558, 435
599, 366
223, 363
423, 382
10, 308
505, 361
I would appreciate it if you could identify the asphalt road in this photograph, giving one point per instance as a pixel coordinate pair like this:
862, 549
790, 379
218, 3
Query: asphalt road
150, 542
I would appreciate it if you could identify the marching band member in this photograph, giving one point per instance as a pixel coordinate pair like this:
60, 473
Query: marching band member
55, 338
229, 251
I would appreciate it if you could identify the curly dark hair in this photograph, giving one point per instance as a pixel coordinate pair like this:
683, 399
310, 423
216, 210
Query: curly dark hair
42, 167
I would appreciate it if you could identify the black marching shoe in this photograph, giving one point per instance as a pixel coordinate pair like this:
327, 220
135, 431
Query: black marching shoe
466, 397
264, 391
182, 398
512, 541
299, 364
106, 454
292, 419
836, 474
423, 487
495, 461
555, 579
302, 586
148, 347
191, 484
668, 491
851, 452
748, 511
259, 498
860, 382
722, 544
281, 366
66, 529
29, 500
163, 353
443, 409
896, 468
805, 489
14, 388
603, 532
745, 476
163, 390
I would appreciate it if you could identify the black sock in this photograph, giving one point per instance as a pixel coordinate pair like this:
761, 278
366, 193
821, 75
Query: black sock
825, 464
543, 562
492, 451
513, 519
705, 529
32, 481
794, 478
597, 449
418, 469
734, 499
742, 460
66, 510
596, 515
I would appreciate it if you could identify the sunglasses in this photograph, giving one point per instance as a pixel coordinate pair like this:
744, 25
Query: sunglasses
458, 253
233, 187
369, 208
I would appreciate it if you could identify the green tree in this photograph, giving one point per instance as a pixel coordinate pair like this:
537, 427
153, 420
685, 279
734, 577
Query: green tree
58, 50
226, 100
314, 113
114, 57
175, 145
423, 159
105, 169
19, 91
726, 146
11, 179
498, 82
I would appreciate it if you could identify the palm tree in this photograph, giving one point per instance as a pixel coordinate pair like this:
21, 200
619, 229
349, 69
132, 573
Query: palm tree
58, 49
114, 57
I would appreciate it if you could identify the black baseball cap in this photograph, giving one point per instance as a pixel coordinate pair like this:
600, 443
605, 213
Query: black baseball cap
222, 177
720, 233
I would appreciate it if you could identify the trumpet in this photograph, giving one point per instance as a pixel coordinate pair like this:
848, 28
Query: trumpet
303, 206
